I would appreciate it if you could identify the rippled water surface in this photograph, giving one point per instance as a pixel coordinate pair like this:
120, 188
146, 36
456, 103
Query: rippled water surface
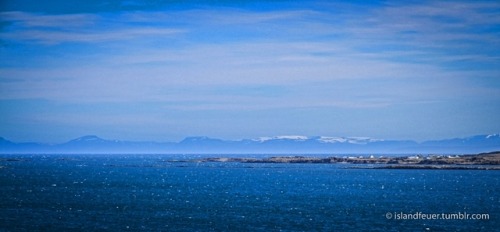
150, 192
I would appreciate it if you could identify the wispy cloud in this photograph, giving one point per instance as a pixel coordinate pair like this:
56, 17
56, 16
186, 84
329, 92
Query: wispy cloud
30, 20
80, 28
434, 25
56, 37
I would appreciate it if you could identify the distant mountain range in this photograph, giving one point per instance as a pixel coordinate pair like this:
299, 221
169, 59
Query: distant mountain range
264, 145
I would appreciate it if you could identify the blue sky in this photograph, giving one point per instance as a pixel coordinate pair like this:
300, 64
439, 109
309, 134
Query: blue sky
164, 70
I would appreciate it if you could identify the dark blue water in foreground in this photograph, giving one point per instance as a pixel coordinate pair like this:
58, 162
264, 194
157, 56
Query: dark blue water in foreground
146, 192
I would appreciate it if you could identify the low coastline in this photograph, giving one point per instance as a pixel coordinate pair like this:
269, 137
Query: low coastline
482, 161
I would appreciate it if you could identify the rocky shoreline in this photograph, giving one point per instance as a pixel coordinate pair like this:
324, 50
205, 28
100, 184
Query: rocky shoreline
483, 161
438, 167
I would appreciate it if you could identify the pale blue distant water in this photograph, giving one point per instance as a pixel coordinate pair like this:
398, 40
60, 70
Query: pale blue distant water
147, 192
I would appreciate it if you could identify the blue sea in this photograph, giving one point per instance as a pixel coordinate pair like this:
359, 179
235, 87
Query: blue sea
157, 193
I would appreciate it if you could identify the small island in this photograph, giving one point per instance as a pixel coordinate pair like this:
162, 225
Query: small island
482, 161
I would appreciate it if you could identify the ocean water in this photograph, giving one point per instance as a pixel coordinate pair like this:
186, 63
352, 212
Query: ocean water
152, 193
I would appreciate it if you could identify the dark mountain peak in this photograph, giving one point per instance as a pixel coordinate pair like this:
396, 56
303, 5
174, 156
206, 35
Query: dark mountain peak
4, 141
88, 139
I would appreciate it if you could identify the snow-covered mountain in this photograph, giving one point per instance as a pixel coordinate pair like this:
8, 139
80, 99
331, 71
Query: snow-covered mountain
283, 137
288, 144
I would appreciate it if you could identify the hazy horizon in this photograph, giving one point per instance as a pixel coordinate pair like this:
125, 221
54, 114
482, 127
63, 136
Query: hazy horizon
162, 71
257, 139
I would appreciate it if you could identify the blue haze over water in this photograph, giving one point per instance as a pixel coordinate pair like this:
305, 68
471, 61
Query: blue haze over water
148, 192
